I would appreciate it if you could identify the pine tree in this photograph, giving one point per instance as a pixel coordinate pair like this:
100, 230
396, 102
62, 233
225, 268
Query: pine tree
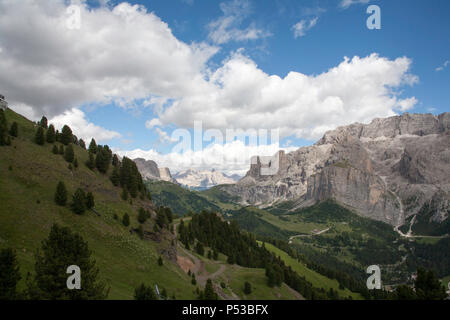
61, 149
55, 149
91, 162
50, 134
215, 255
142, 215
126, 220
160, 261
144, 293
199, 248
428, 286
102, 159
9, 274
14, 131
193, 280
209, 254
82, 144
75, 163
61, 194
90, 203
43, 123
78, 204
93, 146
161, 218
39, 136
209, 293
115, 160
69, 155
115, 176
61, 249
66, 135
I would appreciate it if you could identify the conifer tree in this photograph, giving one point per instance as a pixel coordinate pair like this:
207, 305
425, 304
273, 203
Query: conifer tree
69, 155
60, 250
61, 149
115, 160
144, 293
55, 149
160, 261
199, 248
142, 215
61, 194
90, 203
209, 293
126, 220
75, 163
93, 146
14, 131
9, 274
115, 176
161, 219
50, 134
91, 162
39, 136
82, 144
43, 123
66, 135
78, 204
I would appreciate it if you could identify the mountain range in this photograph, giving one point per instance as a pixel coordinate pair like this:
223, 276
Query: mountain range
392, 170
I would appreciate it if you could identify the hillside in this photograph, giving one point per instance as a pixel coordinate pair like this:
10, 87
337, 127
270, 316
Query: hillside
29, 174
394, 170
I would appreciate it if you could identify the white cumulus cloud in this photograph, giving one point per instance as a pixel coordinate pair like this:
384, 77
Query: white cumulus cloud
302, 26
81, 127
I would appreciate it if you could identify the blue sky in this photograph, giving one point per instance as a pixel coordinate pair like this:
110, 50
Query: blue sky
258, 39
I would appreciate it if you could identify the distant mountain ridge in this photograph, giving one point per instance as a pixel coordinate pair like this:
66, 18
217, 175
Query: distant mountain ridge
204, 179
391, 170
149, 170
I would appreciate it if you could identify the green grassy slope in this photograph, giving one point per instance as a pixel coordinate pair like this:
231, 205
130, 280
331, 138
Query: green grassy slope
315, 278
28, 177
179, 199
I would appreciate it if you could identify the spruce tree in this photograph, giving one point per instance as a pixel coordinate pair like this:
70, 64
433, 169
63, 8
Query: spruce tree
142, 215
93, 146
115, 160
140, 231
144, 293
78, 204
115, 176
51, 134
126, 220
55, 149
61, 149
209, 293
199, 248
66, 135
60, 250
160, 261
82, 144
90, 203
91, 162
9, 274
61, 194
14, 131
75, 163
43, 123
161, 218
69, 155
428, 286
39, 136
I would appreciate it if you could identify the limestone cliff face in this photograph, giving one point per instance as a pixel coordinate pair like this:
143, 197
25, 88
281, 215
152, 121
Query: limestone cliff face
386, 170
149, 170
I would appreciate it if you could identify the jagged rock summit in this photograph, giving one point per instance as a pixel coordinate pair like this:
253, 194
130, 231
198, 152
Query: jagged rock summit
149, 170
388, 170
